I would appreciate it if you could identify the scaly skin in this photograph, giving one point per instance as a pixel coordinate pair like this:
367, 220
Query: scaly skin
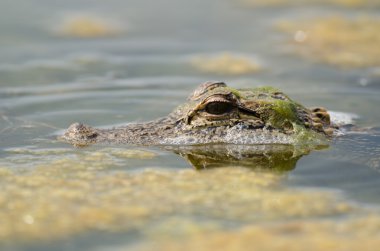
216, 113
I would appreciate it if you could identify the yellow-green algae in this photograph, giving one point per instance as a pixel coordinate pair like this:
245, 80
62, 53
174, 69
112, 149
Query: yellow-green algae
87, 26
337, 40
356, 233
225, 63
70, 198
99, 159
284, 3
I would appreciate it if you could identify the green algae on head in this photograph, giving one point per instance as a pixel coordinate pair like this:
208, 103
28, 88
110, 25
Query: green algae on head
276, 108
337, 40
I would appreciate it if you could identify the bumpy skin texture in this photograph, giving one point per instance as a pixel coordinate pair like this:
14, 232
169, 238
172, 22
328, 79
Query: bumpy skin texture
216, 113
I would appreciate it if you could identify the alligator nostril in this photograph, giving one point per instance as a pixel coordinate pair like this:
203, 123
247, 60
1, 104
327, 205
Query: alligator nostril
80, 131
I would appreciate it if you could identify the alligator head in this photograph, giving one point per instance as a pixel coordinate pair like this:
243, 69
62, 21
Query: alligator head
217, 114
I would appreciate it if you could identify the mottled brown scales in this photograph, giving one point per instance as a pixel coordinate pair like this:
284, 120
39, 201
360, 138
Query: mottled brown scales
216, 113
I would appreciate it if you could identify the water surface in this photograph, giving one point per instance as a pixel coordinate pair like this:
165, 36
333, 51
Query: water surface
57, 197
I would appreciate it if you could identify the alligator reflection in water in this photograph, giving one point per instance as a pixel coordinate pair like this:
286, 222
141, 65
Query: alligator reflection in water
268, 157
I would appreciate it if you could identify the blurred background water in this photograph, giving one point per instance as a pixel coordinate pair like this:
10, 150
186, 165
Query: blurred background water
106, 63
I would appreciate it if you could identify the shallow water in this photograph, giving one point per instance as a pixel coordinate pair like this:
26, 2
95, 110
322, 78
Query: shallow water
57, 197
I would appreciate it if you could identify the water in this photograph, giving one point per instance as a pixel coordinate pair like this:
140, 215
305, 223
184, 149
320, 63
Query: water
57, 197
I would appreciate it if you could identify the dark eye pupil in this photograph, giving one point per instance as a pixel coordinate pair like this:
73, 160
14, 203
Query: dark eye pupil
218, 108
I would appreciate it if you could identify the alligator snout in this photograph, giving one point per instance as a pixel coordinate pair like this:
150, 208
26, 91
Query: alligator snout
80, 134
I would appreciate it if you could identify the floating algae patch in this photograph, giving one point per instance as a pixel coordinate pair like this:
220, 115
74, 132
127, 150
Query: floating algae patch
357, 233
87, 26
66, 157
337, 40
69, 201
42, 152
226, 64
285, 3
130, 153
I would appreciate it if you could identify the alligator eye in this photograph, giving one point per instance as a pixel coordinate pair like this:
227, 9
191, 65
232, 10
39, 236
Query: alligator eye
218, 108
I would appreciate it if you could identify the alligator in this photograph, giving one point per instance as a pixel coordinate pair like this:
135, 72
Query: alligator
218, 114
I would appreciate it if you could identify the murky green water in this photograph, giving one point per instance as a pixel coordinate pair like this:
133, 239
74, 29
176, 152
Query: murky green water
56, 197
